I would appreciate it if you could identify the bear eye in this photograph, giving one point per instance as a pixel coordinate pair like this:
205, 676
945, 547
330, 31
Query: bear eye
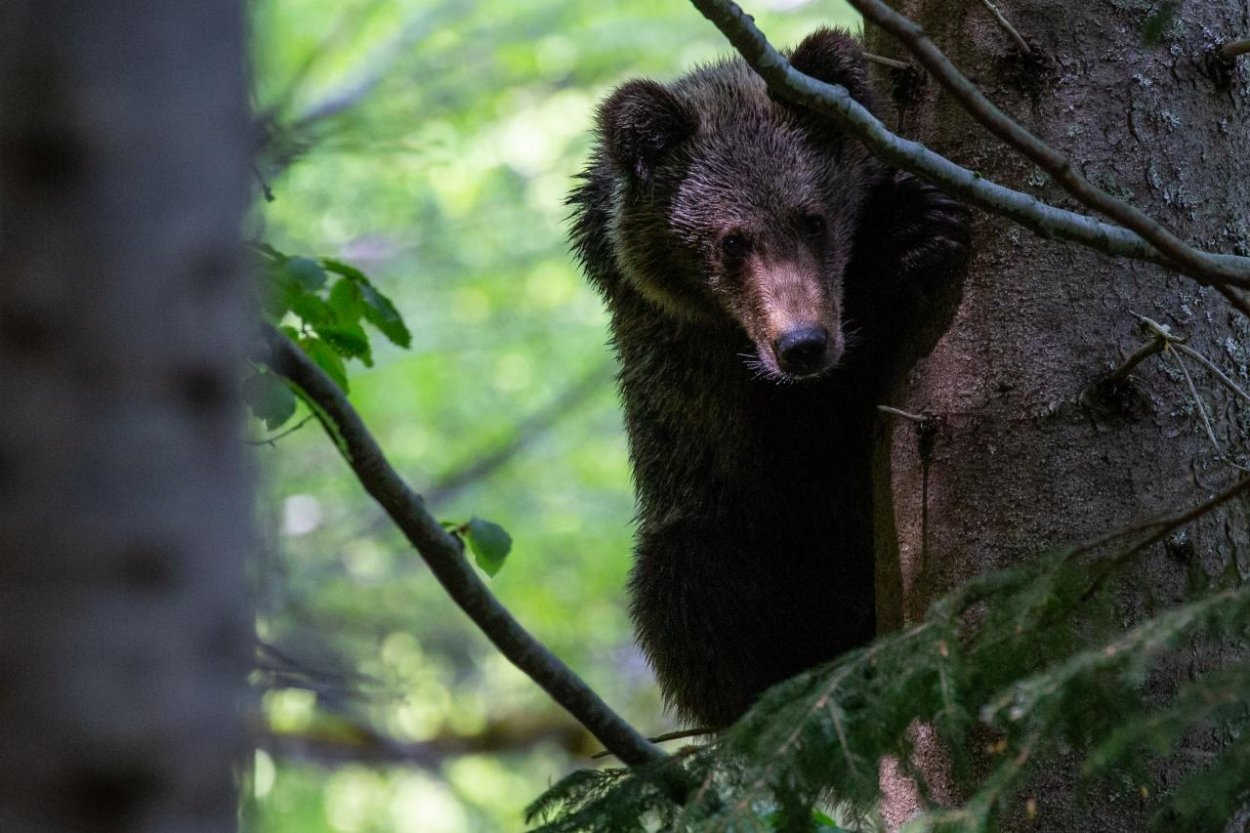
814, 226
734, 246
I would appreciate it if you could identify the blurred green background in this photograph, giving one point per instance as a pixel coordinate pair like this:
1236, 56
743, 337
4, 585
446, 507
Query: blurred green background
432, 145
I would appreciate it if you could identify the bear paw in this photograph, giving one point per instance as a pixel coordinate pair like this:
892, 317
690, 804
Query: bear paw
930, 231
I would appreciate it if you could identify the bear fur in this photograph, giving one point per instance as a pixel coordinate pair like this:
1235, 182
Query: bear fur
764, 275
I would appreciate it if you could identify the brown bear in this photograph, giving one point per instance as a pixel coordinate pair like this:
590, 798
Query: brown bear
764, 275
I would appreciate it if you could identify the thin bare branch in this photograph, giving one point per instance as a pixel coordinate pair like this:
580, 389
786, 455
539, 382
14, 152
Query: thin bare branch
1120, 375
834, 100
1212, 369
272, 441
1234, 49
1199, 265
445, 556
1193, 390
1164, 334
901, 414
886, 62
1006, 26
679, 734
1160, 528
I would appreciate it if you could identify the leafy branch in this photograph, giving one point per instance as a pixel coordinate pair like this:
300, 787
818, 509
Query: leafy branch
444, 554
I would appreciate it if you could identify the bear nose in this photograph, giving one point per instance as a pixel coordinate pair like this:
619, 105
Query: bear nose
802, 350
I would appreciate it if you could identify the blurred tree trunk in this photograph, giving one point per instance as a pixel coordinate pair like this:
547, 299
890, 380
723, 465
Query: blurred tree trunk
124, 495
1018, 465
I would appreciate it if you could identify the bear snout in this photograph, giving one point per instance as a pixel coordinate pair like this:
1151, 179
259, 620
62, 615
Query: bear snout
804, 350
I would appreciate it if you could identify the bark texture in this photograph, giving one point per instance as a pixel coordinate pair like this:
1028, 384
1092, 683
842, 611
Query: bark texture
124, 495
1020, 463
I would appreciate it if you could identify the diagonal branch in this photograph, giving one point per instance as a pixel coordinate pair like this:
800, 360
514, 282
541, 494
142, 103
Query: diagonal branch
1044, 219
445, 557
1201, 266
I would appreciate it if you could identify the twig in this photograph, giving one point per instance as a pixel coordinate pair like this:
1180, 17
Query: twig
1201, 266
661, 738
1235, 48
1120, 375
1162, 528
1028, 211
898, 412
1211, 368
1193, 390
886, 62
1175, 345
265, 190
1161, 331
269, 441
445, 556
1007, 27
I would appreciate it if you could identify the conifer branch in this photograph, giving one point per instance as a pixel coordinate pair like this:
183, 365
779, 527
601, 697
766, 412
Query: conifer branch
1043, 219
445, 557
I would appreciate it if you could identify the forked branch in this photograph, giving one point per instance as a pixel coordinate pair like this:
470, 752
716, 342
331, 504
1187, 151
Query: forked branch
1150, 242
1199, 265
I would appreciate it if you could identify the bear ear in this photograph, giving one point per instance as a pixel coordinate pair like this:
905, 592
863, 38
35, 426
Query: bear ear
641, 122
835, 57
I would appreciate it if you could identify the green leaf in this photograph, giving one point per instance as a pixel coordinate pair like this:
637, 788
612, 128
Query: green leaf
274, 297
378, 309
305, 273
381, 313
489, 542
347, 339
338, 267
346, 302
326, 359
309, 307
269, 398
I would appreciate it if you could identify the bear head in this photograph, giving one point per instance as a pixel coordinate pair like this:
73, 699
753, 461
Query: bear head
734, 208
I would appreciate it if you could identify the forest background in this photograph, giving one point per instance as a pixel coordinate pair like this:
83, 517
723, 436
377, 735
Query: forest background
432, 145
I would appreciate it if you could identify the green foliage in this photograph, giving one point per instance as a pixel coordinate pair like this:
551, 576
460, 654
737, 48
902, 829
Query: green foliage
327, 325
269, 397
444, 183
1024, 665
489, 542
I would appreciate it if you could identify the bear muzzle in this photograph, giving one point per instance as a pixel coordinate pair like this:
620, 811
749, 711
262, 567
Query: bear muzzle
806, 350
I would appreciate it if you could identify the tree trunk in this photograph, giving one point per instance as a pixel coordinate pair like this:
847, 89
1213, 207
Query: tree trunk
124, 496
1020, 464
